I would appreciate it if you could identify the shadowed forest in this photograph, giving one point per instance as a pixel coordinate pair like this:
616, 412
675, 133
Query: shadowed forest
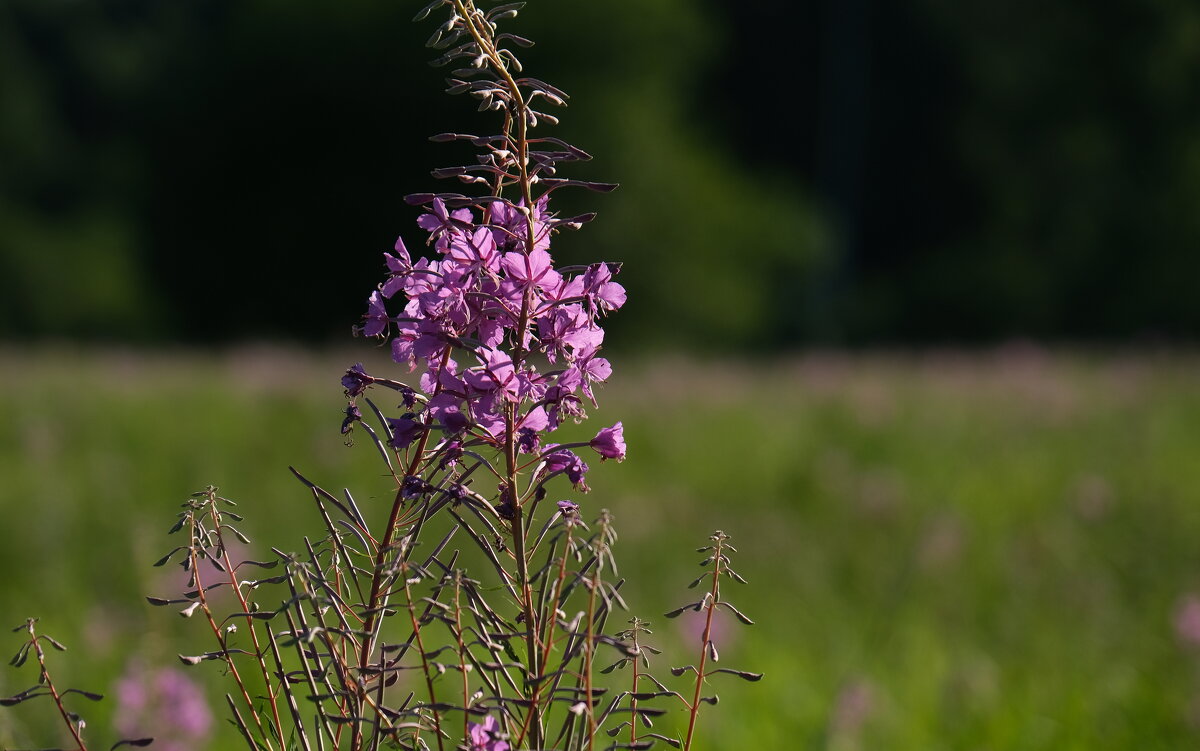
846, 172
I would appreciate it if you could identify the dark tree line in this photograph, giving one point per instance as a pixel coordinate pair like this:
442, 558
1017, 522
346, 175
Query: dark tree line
836, 171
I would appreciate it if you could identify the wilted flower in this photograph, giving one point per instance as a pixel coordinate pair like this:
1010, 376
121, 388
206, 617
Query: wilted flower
566, 461
527, 440
356, 380
451, 453
353, 415
413, 487
404, 430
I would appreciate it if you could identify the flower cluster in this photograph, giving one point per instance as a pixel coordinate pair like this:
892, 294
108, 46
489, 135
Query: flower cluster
528, 334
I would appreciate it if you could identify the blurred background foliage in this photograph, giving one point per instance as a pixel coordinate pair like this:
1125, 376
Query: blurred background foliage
839, 172
944, 551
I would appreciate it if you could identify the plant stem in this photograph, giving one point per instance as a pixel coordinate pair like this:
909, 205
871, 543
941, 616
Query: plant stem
416, 626
482, 36
212, 624
462, 652
368, 642
62, 710
233, 583
633, 716
714, 597
589, 653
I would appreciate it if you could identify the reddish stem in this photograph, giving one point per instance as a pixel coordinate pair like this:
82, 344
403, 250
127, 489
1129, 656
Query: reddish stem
714, 596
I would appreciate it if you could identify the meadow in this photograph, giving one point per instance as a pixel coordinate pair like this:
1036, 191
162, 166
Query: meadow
945, 550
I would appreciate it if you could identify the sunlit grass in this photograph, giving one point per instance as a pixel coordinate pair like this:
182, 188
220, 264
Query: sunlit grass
944, 551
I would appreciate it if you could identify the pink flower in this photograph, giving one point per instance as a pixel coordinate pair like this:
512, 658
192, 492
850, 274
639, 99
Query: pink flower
486, 736
610, 442
164, 704
1187, 621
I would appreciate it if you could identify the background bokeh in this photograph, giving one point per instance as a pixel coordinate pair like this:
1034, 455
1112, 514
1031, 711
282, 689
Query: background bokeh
912, 315
842, 172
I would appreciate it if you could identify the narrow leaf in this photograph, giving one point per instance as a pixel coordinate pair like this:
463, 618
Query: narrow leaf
168, 556
740, 615
423, 13
160, 601
673, 742
22, 654
677, 611
743, 674
88, 694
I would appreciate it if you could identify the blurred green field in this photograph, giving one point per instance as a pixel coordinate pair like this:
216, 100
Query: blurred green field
945, 550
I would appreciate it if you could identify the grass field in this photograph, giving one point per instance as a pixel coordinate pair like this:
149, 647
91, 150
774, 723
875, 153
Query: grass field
945, 550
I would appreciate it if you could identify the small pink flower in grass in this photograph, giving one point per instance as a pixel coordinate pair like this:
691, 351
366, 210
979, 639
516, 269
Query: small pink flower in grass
1187, 621
855, 705
610, 442
486, 736
164, 704
690, 629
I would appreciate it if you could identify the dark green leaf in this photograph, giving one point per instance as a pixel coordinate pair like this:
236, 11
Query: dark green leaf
673, 742
741, 616
22, 654
88, 694
168, 556
743, 674
160, 601
677, 611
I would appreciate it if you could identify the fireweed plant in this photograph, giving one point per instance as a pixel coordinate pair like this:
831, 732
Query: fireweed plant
375, 635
